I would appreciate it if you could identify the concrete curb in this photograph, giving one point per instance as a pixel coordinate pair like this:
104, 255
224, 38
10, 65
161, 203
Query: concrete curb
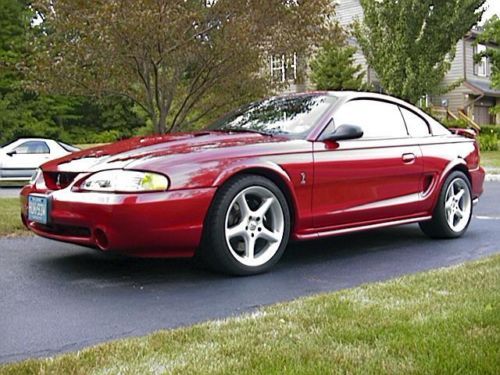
492, 177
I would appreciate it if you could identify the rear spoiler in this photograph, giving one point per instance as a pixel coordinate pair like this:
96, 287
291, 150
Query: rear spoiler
468, 133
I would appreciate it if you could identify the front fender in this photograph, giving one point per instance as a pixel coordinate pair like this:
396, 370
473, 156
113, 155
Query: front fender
255, 165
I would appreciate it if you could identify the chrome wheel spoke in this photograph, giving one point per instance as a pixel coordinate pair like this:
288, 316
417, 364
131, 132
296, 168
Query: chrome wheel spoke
449, 202
268, 235
250, 247
236, 231
264, 207
451, 219
243, 206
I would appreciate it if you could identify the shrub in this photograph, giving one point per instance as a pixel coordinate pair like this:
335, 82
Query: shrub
490, 129
488, 142
452, 123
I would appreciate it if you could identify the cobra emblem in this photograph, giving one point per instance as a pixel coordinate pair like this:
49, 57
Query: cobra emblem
303, 180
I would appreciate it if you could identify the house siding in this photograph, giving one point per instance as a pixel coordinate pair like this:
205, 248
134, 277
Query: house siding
455, 98
348, 11
462, 97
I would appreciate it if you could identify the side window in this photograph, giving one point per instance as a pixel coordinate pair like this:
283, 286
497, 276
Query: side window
32, 147
378, 119
417, 127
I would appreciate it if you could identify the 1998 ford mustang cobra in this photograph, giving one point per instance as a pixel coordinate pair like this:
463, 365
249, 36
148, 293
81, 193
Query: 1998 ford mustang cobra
301, 167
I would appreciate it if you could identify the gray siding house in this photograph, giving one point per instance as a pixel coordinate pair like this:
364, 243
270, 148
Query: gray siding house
473, 97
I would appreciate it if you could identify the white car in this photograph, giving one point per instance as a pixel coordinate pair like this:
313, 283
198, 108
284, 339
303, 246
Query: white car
20, 159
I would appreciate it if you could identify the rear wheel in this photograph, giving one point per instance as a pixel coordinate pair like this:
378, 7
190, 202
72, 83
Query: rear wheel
248, 226
453, 211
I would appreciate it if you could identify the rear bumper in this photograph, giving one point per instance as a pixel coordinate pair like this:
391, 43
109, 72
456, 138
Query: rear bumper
164, 224
477, 181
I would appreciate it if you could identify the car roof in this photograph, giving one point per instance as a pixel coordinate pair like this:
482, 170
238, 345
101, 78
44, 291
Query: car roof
32, 139
354, 95
367, 94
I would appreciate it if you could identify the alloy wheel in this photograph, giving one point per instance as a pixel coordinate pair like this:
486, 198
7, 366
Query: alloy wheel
254, 226
458, 205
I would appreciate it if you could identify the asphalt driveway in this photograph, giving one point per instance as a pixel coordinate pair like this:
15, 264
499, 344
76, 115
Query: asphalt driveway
9, 191
56, 297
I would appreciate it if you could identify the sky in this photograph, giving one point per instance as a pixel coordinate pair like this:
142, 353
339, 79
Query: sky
493, 8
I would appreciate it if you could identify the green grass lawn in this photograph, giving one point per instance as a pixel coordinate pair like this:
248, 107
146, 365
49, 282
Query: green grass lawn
440, 322
10, 220
490, 159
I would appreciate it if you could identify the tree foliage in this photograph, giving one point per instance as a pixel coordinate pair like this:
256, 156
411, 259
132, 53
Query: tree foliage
411, 43
179, 60
26, 113
491, 35
334, 68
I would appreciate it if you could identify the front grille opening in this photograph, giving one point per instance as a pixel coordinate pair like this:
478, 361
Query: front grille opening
65, 230
58, 180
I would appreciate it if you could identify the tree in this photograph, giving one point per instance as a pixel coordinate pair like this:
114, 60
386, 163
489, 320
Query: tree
491, 34
26, 113
179, 60
411, 43
334, 68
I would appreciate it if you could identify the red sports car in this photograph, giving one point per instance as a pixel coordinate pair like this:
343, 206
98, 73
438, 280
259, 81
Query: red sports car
303, 166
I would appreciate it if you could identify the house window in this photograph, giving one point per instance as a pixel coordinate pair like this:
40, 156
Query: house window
284, 68
481, 68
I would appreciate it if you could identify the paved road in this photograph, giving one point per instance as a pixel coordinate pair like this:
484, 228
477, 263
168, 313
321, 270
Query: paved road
56, 297
9, 192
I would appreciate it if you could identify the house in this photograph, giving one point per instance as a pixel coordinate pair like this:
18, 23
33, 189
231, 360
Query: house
471, 99
474, 96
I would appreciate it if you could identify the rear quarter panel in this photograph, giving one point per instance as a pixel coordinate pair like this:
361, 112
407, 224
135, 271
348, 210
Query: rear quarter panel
442, 154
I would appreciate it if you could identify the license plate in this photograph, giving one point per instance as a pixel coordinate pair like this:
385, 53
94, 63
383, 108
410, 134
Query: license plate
38, 209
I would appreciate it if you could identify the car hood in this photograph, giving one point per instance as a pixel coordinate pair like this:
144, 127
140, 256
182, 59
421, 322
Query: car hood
140, 150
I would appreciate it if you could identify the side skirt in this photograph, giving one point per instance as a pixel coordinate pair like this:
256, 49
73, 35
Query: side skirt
361, 228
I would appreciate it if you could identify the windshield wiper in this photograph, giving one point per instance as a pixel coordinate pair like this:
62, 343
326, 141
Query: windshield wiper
244, 131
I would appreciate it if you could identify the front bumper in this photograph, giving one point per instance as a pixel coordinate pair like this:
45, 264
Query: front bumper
163, 224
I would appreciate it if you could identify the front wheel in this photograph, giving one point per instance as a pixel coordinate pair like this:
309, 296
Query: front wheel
248, 226
453, 211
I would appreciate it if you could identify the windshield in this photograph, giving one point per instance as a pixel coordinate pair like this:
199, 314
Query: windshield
294, 116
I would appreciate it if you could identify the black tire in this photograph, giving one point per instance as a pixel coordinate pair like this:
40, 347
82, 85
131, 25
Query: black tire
214, 251
438, 226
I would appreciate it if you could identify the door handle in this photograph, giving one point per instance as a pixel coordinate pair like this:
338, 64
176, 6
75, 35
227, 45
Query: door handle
409, 158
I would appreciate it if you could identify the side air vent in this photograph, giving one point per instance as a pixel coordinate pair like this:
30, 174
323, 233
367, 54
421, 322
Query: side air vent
427, 184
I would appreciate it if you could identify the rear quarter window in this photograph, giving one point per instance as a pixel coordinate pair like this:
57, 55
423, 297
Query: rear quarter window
416, 125
436, 127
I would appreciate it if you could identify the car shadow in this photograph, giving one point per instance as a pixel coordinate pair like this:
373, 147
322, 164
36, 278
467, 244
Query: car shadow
80, 263
353, 244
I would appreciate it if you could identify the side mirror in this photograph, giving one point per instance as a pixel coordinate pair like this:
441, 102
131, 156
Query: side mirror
344, 132
13, 152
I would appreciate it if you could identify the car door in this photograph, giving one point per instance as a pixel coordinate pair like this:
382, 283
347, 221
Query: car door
372, 179
23, 159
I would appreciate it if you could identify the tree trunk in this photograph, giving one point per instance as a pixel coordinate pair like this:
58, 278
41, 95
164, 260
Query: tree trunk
162, 123
156, 122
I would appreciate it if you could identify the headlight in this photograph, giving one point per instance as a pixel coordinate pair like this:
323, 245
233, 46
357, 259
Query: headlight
120, 180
